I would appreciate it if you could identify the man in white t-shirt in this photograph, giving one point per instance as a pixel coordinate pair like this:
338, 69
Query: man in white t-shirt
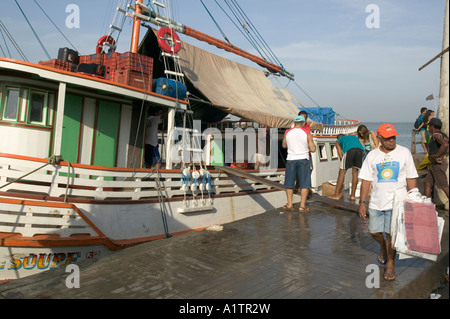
299, 144
151, 155
387, 168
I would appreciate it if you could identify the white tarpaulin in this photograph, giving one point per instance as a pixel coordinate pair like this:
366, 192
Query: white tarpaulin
236, 88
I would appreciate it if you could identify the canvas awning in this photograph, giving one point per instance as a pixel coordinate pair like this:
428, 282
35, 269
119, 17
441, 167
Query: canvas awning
236, 88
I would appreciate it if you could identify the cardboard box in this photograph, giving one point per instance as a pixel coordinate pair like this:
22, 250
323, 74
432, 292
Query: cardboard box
328, 188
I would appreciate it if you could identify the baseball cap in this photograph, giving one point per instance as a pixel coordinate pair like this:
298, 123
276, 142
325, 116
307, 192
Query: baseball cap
386, 130
299, 118
435, 121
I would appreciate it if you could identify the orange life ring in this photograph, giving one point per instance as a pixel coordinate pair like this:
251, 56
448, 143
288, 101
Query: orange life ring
102, 40
168, 40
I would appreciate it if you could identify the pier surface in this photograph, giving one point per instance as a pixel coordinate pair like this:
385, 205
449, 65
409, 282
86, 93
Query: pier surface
275, 255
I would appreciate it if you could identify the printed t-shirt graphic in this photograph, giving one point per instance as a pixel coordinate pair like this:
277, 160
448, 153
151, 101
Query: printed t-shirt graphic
388, 172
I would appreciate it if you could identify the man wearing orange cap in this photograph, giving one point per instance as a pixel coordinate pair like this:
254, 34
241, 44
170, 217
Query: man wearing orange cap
387, 168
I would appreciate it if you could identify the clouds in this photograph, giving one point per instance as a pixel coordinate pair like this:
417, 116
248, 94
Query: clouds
351, 67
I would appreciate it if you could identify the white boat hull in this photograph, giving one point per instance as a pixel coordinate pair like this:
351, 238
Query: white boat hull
44, 223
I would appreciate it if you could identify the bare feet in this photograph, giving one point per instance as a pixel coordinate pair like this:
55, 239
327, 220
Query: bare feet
337, 197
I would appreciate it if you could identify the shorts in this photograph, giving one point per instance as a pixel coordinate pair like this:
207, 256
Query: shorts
423, 136
151, 155
298, 168
353, 158
437, 175
380, 221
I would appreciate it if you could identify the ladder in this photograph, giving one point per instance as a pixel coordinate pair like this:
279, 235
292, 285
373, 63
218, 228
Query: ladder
118, 22
190, 143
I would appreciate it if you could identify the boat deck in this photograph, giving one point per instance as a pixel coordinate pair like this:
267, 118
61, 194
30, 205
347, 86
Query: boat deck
275, 255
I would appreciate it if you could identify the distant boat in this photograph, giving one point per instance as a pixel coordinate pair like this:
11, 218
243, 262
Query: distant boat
73, 184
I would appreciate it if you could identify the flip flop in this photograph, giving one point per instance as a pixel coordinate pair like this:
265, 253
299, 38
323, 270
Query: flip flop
382, 260
304, 210
285, 207
389, 276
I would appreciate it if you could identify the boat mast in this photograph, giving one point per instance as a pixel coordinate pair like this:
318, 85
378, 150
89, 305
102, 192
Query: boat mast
136, 28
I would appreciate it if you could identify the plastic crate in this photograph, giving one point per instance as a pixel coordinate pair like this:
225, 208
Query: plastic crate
134, 79
93, 58
59, 64
135, 62
110, 60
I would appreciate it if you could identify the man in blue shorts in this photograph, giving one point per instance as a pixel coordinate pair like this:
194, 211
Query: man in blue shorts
351, 152
299, 144
387, 168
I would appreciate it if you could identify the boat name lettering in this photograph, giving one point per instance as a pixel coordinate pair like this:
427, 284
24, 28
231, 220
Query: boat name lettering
41, 261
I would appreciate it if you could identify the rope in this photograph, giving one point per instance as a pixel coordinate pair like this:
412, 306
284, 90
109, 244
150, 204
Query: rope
6, 44
306, 94
32, 29
55, 25
51, 161
215, 22
2, 26
68, 181
161, 205
258, 35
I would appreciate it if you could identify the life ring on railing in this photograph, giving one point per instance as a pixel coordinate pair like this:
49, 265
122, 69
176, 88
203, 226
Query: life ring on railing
105, 39
168, 40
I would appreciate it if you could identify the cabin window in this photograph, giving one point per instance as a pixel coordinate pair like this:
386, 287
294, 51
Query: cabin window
334, 152
26, 106
36, 107
11, 104
323, 156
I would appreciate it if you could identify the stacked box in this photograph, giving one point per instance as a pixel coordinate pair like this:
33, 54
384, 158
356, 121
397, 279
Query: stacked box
125, 68
131, 69
133, 78
92, 58
110, 61
59, 64
135, 62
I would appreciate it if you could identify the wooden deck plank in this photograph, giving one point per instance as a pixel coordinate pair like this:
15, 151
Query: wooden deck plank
332, 202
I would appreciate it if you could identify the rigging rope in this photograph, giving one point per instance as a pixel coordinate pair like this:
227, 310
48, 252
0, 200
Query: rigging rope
32, 29
214, 20
246, 34
2, 26
55, 25
306, 94
6, 44
255, 30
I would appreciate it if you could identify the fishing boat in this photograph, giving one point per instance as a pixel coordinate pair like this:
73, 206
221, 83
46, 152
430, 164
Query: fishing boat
73, 182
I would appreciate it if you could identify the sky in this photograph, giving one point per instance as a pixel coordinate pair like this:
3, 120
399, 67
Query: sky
359, 57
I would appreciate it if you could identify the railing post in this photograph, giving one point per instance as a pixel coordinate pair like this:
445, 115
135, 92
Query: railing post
413, 142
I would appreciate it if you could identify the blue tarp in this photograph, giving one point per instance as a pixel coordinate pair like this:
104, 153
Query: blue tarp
324, 115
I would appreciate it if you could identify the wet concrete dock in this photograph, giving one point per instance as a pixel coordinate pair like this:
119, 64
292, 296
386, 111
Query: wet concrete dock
276, 255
